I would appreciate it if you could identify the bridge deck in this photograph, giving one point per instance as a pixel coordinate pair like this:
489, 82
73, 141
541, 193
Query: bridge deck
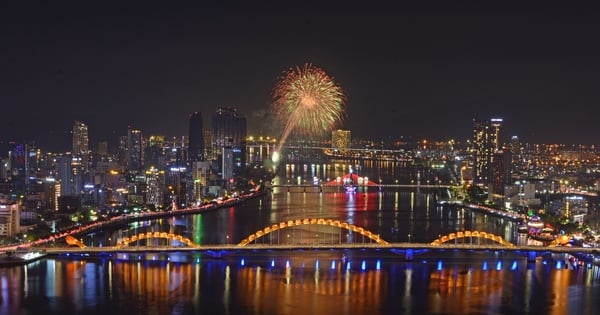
391, 246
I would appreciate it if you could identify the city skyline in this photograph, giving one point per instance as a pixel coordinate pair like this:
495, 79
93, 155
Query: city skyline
416, 71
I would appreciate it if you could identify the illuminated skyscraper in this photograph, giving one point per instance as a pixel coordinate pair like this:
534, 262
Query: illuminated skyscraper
515, 147
340, 139
486, 141
133, 152
229, 130
80, 139
155, 182
196, 138
22, 162
69, 173
495, 126
81, 144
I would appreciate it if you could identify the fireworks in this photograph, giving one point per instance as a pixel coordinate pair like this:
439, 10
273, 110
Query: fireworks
308, 102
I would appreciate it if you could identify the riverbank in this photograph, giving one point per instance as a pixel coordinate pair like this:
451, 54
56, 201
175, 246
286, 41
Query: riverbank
132, 217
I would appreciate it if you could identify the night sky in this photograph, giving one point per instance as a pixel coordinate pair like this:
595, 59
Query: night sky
420, 72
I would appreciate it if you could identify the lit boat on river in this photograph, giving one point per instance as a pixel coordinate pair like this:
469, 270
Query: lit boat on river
20, 256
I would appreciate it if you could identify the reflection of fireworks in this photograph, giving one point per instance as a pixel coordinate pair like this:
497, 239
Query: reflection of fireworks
308, 102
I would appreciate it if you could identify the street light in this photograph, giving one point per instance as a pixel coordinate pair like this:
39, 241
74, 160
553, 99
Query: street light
409, 238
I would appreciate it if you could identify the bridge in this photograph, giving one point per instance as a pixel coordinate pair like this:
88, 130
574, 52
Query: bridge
336, 188
313, 221
406, 251
268, 238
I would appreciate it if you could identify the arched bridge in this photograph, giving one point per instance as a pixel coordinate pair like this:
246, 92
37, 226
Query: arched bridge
470, 235
314, 221
258, 234
150, 235
462, 237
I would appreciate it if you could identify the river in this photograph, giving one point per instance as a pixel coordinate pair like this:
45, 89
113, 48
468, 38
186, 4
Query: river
308, 281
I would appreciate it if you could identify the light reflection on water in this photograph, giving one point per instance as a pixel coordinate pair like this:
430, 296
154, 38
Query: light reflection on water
302, 282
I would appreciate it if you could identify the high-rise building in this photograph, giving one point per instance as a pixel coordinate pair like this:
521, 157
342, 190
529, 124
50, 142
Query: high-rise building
196, 138
69, 172
200, 176
515, 146
340, 139
80, 139
122, 150
19, 168
154, 155
227, 163
134, 150
486, 141
495, 126
155, 182
229, 130
208, 145
501, 172
102, 148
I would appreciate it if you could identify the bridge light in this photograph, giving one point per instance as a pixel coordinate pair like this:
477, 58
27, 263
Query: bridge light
514, 265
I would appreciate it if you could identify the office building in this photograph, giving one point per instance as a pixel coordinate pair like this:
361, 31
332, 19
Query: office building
134, 151
229, 131
196, 150
501, 161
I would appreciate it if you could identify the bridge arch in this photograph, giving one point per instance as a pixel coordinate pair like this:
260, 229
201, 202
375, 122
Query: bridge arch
312, 221
150, 235
471, 234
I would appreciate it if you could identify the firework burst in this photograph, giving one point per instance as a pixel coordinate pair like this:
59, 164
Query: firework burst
308, 102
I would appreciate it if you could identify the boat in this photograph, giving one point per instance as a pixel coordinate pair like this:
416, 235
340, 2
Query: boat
350, 188
351, 183
20, 256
